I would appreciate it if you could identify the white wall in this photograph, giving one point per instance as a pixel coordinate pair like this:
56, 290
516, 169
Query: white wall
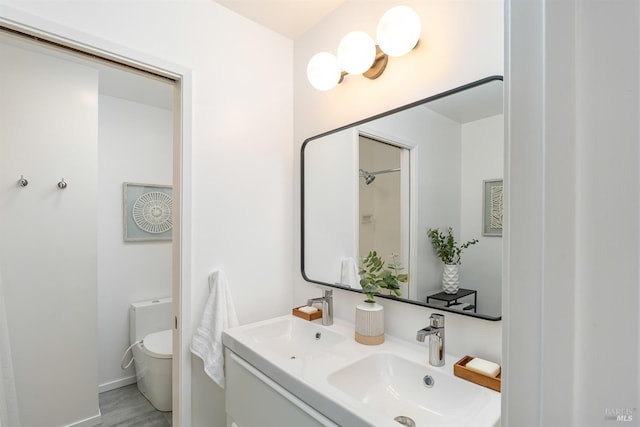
134, 145
241, 211
607, 192
50, 286
571, 310
482, 159
462, 42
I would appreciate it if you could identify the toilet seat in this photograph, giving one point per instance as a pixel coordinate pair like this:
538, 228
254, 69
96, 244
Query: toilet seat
159, 344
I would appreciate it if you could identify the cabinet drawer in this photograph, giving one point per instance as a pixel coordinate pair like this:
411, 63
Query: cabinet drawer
254, 400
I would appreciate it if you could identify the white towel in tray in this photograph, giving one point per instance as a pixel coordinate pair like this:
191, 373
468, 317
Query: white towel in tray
219, 314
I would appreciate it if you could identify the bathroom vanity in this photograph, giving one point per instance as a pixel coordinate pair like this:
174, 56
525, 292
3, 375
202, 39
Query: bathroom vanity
289, 371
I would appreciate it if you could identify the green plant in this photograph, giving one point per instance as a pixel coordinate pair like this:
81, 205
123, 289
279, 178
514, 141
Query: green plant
446, 247
374, 276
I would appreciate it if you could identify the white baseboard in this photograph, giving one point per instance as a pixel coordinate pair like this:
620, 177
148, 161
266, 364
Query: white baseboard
88, 422
116, 384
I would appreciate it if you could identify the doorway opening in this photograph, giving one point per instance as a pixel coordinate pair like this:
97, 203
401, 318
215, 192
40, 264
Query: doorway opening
383, 201
124, 126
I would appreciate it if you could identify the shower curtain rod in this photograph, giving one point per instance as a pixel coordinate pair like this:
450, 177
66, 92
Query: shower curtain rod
364, 172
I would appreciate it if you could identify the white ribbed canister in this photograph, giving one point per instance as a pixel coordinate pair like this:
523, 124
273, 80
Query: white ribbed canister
369, 323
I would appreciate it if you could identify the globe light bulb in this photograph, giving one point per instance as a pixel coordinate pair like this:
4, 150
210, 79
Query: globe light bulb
323, 71
356, 52
398, 31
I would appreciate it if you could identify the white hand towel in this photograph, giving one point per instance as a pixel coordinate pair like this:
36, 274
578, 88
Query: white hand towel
219, 314
349, 273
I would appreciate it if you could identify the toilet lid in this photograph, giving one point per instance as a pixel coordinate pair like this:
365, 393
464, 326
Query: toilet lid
159, 344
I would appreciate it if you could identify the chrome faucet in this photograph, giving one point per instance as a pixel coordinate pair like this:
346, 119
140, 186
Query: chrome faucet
327, 306
435, 331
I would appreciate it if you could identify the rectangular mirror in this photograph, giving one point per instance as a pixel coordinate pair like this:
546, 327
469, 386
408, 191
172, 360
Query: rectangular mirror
381, 183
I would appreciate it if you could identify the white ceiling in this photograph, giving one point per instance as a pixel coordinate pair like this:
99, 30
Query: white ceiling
470, 105
135, 86
291, 18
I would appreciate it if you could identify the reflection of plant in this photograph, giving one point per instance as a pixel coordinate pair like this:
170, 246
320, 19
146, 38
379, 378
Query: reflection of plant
374, 276
446, 247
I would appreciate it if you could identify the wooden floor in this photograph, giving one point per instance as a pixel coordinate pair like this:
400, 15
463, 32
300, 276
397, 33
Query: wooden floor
127, 407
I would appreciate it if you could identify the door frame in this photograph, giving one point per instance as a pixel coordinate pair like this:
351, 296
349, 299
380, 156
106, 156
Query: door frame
34, 26
409, 166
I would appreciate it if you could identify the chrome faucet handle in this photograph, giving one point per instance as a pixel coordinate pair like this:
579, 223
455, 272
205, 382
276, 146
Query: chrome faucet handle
436, 320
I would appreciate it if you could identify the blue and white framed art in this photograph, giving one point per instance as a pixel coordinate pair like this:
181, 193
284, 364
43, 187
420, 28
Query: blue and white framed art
148, 212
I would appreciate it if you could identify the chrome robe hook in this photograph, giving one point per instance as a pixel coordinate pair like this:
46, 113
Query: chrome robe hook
22, 182
62, 185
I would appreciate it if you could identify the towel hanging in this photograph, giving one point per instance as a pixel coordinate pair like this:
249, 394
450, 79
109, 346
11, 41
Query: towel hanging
219, 314
349, 273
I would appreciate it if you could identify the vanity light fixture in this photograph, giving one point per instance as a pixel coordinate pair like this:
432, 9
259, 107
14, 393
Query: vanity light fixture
356, 52
398, 33
323, 71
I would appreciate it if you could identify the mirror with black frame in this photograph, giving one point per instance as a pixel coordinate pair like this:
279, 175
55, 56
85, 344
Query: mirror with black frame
380, 184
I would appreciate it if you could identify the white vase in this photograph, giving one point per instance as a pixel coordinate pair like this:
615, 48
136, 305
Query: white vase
370, 323
450, 279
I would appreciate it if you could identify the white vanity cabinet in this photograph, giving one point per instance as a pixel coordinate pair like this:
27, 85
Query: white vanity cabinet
254, 400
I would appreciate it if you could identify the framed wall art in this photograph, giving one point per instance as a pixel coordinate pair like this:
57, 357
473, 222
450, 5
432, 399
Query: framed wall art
492, 208
148, 212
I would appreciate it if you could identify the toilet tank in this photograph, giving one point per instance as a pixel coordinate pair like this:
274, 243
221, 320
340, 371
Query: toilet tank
146, 317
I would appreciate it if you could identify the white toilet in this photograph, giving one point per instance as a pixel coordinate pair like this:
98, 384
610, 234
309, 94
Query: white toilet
150, 322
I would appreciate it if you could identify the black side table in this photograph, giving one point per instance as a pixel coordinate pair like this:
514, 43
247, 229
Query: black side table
453, 298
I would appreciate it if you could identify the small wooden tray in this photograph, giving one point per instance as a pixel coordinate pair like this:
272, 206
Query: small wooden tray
305, 316
460, 370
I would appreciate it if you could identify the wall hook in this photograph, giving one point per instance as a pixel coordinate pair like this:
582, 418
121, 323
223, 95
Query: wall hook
22, 182
62, 185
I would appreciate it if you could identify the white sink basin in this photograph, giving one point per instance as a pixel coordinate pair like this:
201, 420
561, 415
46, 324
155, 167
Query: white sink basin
293, 338
395, 387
